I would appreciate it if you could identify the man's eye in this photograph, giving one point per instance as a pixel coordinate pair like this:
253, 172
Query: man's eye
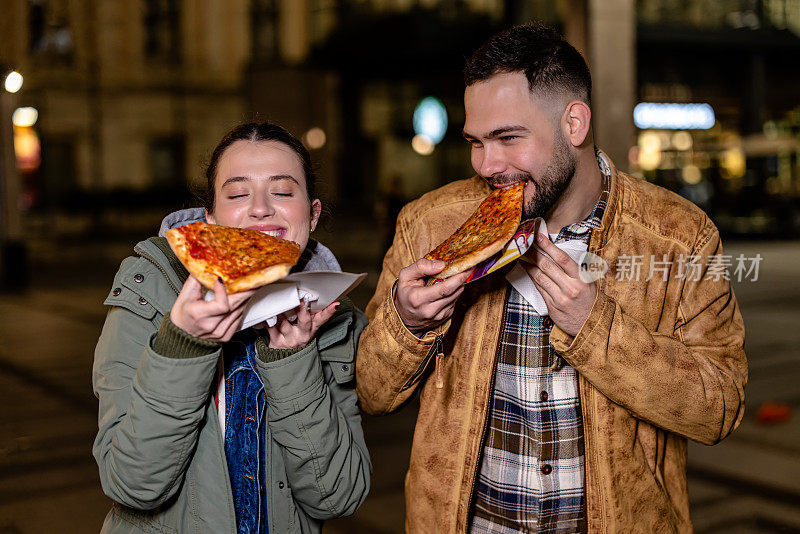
508, 137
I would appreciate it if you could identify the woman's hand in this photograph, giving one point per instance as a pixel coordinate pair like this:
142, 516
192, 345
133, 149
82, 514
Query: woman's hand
294, 334
214, 320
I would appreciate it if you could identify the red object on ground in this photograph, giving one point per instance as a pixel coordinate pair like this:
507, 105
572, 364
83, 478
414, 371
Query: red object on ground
773, 412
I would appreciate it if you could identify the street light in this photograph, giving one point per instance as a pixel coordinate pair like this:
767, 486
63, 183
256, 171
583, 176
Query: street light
13, 253
13, 82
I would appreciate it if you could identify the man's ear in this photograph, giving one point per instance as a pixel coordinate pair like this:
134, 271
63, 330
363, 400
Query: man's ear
209, 218
316, 211
576, 122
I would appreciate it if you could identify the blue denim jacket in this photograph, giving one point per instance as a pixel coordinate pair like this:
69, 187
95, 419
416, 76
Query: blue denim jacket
245, 420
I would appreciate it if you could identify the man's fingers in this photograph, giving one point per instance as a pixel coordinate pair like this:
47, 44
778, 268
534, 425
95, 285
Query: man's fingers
546, 286
446, 288
559, 257
420, 269
552, 270
449, 301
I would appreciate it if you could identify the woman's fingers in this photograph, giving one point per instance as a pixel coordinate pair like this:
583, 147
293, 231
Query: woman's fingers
235, 300
321, 317
226, 328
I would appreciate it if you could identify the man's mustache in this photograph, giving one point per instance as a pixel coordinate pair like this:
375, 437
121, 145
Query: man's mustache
504, 180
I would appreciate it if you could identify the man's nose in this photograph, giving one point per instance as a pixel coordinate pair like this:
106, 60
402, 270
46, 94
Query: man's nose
492, 162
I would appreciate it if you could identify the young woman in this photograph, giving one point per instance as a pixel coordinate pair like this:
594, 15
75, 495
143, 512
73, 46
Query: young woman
170, 367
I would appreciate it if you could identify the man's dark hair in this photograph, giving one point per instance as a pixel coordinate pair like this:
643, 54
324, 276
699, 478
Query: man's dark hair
550, 63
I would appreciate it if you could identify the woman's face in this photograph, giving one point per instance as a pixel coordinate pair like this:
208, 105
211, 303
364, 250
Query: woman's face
261, 185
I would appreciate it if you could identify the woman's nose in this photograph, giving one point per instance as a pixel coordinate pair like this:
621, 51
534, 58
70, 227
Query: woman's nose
261, 207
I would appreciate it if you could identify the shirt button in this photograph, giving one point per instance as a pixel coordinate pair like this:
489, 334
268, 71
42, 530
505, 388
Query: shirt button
142, 301
280, 485
116, 291
138, 278
248, 476
547, 469
543, 396
250, 418
345, 368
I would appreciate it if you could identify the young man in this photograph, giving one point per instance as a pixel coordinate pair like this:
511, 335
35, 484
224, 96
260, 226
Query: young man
570, 421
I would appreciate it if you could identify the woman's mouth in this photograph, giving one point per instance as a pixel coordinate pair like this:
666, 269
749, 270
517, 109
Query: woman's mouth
269, 229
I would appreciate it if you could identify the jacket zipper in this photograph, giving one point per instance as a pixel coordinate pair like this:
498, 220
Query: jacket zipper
480, 454
435, 349
437, 346
484, 428
591, 455
152, 260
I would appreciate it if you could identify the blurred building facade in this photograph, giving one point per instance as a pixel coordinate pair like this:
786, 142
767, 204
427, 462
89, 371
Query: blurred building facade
132, 95
129, 95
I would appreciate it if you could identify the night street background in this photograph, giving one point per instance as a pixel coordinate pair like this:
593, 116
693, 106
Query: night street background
109, 109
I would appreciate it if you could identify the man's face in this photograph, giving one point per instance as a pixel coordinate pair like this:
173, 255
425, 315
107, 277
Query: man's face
515, 137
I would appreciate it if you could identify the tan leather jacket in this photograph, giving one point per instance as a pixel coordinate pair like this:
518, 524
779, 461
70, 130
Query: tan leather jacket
658, 362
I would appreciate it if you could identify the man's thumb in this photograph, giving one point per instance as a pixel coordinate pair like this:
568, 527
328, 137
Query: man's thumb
429, 267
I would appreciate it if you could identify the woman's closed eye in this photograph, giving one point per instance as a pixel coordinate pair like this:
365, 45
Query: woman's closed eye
283, 193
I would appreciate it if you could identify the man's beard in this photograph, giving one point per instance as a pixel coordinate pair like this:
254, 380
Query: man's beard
550, 185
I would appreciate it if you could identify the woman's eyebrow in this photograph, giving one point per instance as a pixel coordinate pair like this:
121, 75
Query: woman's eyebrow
275, 177
235, 179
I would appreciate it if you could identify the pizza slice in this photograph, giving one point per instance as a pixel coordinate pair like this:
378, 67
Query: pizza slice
484, 234
244, 259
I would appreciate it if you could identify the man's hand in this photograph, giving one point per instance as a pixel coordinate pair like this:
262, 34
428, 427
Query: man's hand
569, 299
215, 320
293, 334
422, 307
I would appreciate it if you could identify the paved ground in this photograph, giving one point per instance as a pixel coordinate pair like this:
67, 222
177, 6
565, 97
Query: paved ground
48, 479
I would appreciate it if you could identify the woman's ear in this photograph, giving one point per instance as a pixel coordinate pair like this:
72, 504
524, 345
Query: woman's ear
209, 218
316, 211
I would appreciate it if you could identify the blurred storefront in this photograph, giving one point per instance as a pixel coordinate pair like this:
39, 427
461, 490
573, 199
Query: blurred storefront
740, 59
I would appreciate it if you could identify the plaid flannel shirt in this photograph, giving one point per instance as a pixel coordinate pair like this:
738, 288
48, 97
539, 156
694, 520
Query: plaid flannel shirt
531, 477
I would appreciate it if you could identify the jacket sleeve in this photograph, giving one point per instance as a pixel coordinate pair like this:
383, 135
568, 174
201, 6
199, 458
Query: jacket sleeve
313, 415
150, 410
691, 382
391, 360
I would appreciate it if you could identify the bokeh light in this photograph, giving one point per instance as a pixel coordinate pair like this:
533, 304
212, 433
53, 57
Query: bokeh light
422, 145
13, 82
315, 138
430, 119
24, 117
